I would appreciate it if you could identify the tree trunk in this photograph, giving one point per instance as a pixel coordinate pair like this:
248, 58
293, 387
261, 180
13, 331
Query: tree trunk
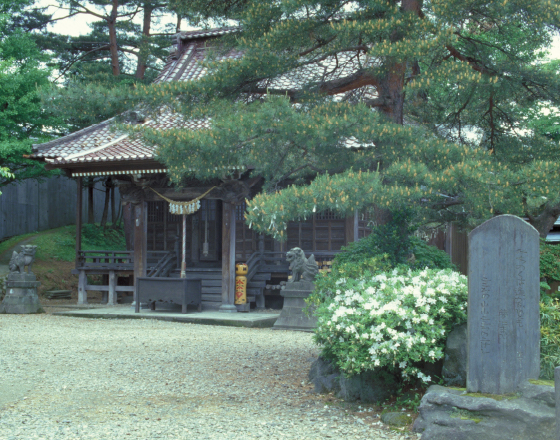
391, 92
144, 45
113, 47
178, 28
392, 84
545, 220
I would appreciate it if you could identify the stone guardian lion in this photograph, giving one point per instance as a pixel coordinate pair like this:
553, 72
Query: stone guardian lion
24, 258
303, 269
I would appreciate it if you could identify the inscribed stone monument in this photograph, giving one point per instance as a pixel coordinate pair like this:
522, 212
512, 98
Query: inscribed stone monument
503, 307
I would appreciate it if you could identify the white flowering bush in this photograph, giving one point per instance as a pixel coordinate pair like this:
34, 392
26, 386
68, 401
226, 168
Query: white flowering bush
395, 320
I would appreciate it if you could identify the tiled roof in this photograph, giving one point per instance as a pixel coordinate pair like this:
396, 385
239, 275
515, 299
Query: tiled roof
207, 33
101, 143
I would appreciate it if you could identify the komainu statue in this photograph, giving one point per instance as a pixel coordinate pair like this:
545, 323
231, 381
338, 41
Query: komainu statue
303, 269
25, 257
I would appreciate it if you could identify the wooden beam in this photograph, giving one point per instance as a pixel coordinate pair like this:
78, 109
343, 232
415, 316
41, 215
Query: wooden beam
78, 220
228, 258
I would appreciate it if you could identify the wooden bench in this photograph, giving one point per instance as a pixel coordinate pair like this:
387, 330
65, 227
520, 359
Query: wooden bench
184, 291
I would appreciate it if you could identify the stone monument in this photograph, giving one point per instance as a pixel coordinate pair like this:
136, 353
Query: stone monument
304, 270
21, 287
503, 327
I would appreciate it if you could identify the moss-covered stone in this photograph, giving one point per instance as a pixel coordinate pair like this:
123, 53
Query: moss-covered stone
549, 383
466, 415
510, 396
396, 418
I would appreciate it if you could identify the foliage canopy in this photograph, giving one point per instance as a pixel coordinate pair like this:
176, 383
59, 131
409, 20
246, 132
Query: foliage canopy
376, 102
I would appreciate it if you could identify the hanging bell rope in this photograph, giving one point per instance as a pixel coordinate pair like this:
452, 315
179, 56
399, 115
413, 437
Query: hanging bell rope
180, 208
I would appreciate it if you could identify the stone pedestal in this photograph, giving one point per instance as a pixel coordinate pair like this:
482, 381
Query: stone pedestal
292, 316
21, 294
454, 414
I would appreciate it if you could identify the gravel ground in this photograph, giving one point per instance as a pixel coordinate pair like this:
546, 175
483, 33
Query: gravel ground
75, 378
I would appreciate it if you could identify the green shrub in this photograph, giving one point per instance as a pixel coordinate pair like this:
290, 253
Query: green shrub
425, 255
549, 265
550, 337
394, 320
549, 261
412, 251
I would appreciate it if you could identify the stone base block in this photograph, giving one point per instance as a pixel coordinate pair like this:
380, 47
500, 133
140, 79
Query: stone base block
21, 294
448, 413
292, 316
21, 304
243, 307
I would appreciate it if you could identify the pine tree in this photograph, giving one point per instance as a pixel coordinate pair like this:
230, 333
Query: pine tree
22, 72
345, 105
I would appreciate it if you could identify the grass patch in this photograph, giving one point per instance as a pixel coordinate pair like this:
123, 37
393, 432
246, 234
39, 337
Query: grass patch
60, 245
8, 244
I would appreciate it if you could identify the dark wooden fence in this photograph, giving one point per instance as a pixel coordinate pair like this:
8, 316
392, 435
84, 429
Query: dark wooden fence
36, 206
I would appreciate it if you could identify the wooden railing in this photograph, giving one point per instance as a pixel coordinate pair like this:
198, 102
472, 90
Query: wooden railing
120, 260
105, 260
253, 264
162, 267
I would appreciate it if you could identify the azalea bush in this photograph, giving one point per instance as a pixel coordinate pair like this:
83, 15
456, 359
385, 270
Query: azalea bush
394, 320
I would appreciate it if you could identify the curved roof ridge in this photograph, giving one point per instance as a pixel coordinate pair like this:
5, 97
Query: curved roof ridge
71, 136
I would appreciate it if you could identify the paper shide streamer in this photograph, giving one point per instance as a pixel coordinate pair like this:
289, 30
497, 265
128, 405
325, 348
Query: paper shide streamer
182, 208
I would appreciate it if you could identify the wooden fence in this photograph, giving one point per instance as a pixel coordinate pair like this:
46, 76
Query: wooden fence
32, 206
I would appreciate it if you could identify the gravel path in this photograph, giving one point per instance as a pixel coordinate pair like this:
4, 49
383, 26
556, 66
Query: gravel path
75, 378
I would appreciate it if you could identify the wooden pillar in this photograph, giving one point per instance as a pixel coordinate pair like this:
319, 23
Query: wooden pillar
112, 297
352, 228
128, 221
140, 242
184, 248
195, 234
82, 292
78, 221
228, 258
91, 212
